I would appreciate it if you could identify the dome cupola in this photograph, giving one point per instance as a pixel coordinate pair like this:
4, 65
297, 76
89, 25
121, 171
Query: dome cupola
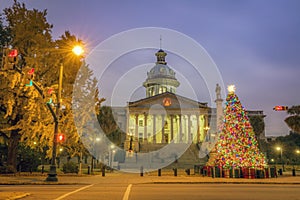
161, 78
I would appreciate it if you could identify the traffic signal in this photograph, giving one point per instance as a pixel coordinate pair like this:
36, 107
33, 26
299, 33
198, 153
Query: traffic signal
49, 95
9, 58
29, 74
280, 108
12, 56
60, 137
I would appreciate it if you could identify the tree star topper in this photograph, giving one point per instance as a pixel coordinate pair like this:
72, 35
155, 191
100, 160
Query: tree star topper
231, 88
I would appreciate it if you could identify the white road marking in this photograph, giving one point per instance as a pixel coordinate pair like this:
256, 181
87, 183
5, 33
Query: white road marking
69, 193
127, 192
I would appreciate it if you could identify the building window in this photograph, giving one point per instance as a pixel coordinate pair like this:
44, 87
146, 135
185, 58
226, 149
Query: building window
141, 137
141, 122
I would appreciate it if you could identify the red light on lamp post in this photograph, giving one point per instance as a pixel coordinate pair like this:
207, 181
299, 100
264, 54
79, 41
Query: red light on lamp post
60, 138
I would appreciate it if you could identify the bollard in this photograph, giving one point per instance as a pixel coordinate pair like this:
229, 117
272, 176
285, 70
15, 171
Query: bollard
159, 172
188, 171
175, 171
89, 169
103, 171
294, 172
142, 171
43, 169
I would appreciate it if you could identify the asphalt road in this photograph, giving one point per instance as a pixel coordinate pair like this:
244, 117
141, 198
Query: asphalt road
122, 191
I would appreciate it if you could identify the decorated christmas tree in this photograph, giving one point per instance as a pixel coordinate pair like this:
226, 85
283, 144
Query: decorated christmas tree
237, 145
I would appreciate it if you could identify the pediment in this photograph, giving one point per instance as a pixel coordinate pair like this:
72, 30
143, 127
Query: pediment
168, 101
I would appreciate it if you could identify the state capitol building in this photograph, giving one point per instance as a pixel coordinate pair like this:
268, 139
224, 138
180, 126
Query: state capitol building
163, 117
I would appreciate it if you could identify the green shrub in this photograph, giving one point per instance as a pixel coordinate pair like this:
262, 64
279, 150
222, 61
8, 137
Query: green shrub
70, 167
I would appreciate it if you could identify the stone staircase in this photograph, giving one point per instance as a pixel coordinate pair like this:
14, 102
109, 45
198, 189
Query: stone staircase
189, 159
155, 156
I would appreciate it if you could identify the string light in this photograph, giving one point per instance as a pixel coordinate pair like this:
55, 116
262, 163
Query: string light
237, 145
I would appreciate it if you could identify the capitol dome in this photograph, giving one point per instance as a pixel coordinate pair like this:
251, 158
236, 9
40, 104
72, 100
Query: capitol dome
161, 78
160, 71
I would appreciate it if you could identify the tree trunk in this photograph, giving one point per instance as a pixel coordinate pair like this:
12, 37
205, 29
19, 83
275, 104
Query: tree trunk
13, 148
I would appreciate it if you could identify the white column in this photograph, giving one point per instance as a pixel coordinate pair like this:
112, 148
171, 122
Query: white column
163, 129
172, 127
180, 128
136, 125
154, 129
145, 127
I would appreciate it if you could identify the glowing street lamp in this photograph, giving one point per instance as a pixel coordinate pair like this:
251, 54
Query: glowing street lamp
78, 50
52, 175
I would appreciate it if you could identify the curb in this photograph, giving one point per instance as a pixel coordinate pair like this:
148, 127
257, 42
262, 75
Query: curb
42, 183
220, 182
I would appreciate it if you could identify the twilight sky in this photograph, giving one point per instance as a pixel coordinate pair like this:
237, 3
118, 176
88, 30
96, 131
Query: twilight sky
255, 44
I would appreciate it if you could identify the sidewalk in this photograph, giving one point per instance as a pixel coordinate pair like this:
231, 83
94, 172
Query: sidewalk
119, 177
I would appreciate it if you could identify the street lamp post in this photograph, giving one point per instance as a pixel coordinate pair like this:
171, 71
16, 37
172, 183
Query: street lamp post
281, 160
52, 175
111, 153
94, 155
206, 129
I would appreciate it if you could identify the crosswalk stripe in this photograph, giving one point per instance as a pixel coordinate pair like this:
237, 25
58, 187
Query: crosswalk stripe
127, 192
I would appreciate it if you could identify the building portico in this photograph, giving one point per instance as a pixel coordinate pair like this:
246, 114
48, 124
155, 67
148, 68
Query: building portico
166, 118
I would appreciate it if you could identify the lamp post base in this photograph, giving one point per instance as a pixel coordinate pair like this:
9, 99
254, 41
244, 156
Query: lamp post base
52, 176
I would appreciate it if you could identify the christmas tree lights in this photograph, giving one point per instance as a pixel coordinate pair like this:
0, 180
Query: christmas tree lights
237, 145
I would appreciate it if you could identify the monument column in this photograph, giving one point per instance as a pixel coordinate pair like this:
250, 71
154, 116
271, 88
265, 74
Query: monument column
219, 108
